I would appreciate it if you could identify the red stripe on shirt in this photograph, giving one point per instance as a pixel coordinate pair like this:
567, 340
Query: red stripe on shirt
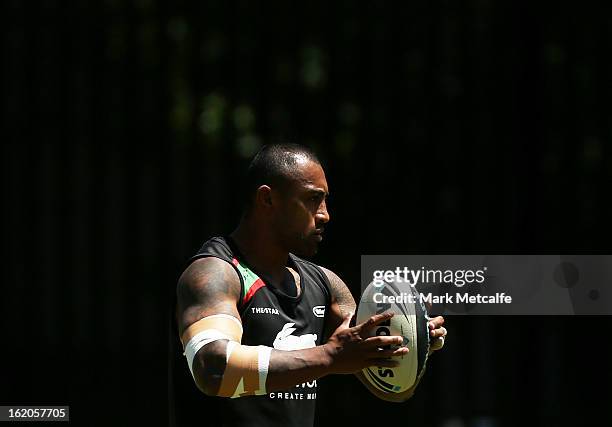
258, 284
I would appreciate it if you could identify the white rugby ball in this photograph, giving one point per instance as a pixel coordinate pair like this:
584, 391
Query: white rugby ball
410, 321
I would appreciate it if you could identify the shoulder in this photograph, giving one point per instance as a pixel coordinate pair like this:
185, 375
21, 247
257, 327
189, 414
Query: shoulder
339, 290
206, 270
335, 282
331, 276
207, 277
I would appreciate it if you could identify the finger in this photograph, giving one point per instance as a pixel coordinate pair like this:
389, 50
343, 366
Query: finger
436, 344
436, 322
375, 320
382, 341
347, 320
383, 363
438, 333
402, 351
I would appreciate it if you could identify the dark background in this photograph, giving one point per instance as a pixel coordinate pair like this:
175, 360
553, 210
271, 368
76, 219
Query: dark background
479, 127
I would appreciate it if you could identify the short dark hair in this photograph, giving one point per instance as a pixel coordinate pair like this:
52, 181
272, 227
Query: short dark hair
273, 165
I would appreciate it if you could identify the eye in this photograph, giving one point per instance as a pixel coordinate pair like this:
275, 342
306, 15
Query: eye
316, 199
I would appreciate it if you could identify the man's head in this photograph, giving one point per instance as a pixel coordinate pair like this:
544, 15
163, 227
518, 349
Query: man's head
286, 192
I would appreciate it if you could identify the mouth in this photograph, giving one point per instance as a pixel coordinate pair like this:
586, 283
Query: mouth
318, 234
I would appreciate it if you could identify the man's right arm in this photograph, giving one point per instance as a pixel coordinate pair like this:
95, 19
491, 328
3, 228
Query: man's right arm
211, 287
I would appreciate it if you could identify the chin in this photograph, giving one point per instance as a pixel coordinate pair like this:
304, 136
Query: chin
306, 251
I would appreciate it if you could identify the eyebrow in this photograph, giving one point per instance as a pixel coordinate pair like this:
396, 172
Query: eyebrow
318, 191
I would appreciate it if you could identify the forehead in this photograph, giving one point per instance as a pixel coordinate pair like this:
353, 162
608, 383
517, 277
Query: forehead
309, 175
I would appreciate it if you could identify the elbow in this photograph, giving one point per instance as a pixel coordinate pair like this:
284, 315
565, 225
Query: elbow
206, 383
208, 367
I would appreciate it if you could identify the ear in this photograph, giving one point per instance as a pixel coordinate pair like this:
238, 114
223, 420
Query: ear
263, 196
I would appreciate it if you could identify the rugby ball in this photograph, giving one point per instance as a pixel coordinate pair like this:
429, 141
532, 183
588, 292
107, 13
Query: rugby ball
410, 321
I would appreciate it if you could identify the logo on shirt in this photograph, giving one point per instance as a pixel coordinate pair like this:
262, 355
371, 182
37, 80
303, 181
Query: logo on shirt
264, 310
319, 310
285, 340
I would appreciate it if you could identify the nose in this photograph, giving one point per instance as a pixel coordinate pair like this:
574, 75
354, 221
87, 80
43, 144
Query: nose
322, 215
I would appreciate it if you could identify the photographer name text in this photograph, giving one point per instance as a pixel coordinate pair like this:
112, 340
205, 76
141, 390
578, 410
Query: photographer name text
457, 298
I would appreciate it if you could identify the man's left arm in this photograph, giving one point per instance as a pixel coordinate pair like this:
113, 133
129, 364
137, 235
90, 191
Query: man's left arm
343, 303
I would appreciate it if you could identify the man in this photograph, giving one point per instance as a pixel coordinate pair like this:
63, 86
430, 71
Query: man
259, 323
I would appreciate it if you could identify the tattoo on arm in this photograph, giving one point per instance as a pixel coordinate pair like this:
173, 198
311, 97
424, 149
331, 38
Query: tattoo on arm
208, 286
340, 293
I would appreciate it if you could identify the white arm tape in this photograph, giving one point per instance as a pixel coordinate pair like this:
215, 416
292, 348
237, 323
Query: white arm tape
246, 370
200, 340
263, 364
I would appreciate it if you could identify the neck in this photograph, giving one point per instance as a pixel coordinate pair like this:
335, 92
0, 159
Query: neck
260, 249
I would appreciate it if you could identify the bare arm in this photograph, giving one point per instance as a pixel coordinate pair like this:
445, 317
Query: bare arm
343, 303
211, 286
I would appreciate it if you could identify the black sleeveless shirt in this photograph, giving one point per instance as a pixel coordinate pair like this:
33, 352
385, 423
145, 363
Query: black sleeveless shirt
273, 318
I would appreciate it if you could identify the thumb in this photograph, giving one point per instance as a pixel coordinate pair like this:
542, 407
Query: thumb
347, 320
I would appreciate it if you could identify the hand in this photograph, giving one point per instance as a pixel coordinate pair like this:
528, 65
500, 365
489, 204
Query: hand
437, 332
351, 349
